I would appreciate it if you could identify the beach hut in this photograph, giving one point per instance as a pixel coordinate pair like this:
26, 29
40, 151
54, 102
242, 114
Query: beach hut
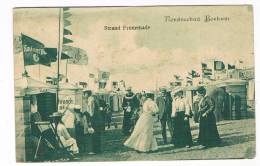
235, 105
69, 94
25, 87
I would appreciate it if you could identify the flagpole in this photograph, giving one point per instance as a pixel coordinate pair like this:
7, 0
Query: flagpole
25, 72
58, 61
66, 69
39, 71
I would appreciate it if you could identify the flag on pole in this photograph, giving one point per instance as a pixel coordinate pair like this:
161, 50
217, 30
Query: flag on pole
66, 23
34, 52
231, 67
66, 40
67, 32
194, 74
203, 65
51, 53
219, 65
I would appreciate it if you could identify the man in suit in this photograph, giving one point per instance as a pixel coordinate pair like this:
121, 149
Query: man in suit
164, 103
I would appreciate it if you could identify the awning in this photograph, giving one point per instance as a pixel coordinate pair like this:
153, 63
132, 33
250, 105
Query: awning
29, 86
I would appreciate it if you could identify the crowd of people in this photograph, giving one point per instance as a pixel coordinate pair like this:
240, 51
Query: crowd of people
174, 111
81, 131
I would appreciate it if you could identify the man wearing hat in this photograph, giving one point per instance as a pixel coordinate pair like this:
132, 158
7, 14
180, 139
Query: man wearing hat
130, 105
164, 103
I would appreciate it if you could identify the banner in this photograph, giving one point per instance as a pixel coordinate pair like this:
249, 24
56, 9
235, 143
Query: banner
219, 65
34, 52
74, 55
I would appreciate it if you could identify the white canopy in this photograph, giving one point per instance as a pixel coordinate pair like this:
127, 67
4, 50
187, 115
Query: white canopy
30, 86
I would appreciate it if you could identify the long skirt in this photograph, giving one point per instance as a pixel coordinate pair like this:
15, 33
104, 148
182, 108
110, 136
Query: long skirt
127, 123
208, 132
181, 131
142, 138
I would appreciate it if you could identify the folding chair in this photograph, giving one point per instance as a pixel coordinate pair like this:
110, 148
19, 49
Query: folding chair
49, 135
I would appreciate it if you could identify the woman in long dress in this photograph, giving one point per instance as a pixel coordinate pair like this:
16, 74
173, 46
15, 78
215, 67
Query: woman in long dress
208, 132
142, 139
181, 114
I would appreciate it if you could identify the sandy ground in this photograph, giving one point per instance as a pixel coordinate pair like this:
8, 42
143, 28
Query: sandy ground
238, 141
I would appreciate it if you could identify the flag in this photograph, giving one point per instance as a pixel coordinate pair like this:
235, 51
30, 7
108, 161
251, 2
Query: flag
66, 23
66, 40
67, 32
66, 9
203, 65
219, 65
194, 74
75, 55
103, 75
231, 66
34, 52
51, 53
66, 14
78, 57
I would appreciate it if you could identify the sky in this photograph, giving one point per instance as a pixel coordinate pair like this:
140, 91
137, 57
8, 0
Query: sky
141, 58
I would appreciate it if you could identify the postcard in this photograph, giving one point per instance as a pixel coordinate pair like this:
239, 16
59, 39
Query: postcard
134, 83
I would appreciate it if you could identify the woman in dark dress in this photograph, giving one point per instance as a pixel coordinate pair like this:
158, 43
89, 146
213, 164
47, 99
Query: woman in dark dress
208, 132
181, 126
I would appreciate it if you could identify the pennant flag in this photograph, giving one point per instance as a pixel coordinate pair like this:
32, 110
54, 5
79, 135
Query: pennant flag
34, 52
219, 65
66, 15
66, 32
66, 23
51, 53
194, 74
64, 56
66, 9
91, 75
66, 40
103, 75
203, 65
231, 67
75, 55
78, 57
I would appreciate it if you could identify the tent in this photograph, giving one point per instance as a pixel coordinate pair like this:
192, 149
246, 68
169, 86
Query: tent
29, 86
69, 94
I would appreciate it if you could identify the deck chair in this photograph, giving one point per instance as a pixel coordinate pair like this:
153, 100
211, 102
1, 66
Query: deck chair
49, 136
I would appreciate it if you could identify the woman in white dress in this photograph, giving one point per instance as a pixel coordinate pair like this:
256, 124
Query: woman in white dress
142, 139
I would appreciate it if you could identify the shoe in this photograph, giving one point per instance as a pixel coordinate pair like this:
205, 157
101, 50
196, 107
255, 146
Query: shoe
188, 146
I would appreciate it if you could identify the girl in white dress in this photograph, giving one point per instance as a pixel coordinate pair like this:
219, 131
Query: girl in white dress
142, 138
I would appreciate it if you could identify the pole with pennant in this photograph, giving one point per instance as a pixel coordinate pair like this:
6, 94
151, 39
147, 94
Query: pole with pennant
58, 61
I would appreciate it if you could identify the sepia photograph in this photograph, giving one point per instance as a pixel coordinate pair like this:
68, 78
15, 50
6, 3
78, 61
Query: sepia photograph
136, 83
